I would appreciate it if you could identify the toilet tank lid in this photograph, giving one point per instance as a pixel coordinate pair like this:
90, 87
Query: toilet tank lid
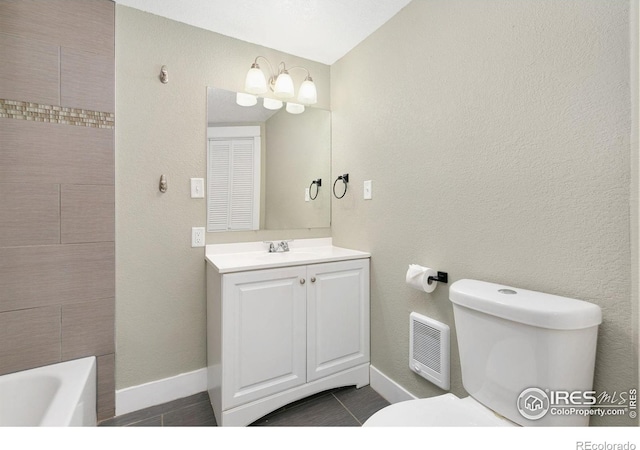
523, 306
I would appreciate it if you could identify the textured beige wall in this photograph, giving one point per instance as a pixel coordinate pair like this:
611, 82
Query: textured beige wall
497, 136
160, 129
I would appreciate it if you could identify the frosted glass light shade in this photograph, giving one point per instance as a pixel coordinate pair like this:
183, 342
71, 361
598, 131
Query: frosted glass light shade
284, 86
255, 83
307, 95
243, 99
295, 108
273, 104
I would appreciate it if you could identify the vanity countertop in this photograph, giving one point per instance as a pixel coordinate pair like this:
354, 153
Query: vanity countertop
228, 258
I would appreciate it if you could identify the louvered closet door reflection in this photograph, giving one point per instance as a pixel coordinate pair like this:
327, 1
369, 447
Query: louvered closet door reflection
218, 185
242, 185
232, 185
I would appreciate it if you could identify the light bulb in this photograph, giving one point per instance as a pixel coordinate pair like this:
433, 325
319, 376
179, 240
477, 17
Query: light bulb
273, 104
308, 94
243, 99
295, 108
255, 83
284, 85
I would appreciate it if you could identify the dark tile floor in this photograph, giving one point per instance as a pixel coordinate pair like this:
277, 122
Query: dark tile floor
346, 407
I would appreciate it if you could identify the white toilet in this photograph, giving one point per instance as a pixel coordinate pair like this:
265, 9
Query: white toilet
520, 352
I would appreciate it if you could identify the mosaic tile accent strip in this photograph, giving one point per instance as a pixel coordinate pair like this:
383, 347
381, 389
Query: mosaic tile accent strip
36, 112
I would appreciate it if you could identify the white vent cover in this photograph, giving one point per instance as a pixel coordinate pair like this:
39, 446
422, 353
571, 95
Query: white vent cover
429, 349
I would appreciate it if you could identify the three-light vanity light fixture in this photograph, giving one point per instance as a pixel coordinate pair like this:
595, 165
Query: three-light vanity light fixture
281, 84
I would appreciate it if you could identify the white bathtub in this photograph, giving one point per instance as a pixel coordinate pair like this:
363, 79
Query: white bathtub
59, 395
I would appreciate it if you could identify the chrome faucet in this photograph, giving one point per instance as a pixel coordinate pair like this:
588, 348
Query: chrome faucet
281, 246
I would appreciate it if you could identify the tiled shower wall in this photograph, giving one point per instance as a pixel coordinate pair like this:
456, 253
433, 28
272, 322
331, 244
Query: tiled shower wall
57, 203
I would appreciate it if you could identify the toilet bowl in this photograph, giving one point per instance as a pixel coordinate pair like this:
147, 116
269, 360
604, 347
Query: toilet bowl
442, 411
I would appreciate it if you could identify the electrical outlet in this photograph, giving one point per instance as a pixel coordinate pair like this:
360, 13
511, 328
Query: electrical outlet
197, 237
307, 197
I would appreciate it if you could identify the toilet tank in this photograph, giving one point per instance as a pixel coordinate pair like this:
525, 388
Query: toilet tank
519, 349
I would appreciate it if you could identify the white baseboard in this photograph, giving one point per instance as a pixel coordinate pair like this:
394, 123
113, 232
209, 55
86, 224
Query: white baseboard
387, 388
157, 392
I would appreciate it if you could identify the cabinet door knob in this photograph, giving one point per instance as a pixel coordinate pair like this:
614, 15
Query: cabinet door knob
302, 280
313, 279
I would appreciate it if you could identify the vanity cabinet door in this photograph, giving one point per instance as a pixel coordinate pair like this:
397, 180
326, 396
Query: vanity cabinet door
337, 317
263, 337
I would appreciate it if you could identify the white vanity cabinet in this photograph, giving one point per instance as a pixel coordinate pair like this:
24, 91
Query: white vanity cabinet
280, 334
337, 317
264, 315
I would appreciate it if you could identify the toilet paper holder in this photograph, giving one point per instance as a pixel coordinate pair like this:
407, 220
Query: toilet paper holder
443, 277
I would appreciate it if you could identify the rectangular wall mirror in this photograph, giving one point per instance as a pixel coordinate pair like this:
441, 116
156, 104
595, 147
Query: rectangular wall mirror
263, 166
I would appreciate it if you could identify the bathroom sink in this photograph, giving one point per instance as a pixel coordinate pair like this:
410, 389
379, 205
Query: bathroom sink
286, 256
228, 258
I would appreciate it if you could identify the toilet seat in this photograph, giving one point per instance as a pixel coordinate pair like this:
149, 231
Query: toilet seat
442, 411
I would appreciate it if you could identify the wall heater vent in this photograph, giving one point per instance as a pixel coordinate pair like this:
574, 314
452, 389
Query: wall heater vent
429, 351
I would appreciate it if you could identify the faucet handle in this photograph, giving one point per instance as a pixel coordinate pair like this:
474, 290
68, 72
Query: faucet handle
284, 245
272, 246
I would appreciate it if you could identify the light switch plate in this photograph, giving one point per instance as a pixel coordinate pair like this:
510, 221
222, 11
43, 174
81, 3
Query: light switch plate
197, 187
367, 190
307, 197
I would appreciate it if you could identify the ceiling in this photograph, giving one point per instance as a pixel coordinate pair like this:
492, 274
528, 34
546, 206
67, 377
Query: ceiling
319, 30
